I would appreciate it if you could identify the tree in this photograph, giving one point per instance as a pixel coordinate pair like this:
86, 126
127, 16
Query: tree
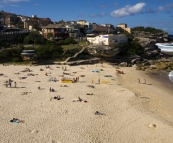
36, 27
34, 38
49, 35
47, 52
69, 40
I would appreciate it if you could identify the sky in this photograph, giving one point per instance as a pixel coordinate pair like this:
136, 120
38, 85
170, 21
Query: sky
152, 13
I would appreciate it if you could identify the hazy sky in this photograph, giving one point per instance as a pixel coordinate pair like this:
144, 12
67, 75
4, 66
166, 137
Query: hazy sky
154, 13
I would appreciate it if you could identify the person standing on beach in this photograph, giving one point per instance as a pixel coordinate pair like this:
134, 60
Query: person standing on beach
15, 84
10, 83
99, 80
92, 80
50, 89
139, 80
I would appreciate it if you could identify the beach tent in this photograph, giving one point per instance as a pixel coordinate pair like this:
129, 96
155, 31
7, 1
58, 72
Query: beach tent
171, 76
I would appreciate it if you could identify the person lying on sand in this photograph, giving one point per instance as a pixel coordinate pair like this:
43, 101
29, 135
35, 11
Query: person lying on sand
89, 93
57, 97
99, 113
92, 86
15, 120
17, 73
63, 86
78, 99
30, 74
24, 93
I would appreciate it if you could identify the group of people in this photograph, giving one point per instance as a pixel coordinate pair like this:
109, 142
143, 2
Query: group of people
64, 68
76, 79
51, 89
9, 82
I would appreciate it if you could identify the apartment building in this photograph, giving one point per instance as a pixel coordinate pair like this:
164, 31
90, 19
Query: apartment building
9, 20
57, 30
29, 22
107, 39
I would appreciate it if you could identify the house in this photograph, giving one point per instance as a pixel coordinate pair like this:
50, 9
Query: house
81, 22
10, 20
29, 22
124, 27
58, 31
107, 39
73, 29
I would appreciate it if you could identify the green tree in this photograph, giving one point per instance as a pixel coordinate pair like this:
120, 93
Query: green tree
49, 35
36, 27
69, 40
134, 48
48, 52
34, 38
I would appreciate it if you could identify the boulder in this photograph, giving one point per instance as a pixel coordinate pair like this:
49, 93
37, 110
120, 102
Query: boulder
135, 60
123, 64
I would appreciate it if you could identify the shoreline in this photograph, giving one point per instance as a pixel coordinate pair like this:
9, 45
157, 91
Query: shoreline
157, 83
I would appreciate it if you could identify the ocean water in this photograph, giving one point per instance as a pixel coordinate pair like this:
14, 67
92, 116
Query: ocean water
165, 47
171, 76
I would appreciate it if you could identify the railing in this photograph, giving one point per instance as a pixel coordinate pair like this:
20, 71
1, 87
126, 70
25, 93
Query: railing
14, 32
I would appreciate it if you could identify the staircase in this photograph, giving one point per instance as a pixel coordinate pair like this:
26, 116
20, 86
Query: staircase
75, 54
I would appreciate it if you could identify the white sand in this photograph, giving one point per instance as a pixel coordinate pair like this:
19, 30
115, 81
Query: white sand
143, 117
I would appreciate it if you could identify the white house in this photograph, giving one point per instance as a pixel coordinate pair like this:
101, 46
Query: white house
108, 39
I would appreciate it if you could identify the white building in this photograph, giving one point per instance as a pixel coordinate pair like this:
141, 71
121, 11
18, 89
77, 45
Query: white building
108, 39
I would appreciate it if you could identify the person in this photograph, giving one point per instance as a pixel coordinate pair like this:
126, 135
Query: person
144, 81
10, 83
58, 97
53, 90
24, 93
79, 99
89, 93
15, 84
139, 80
15, 120
99, 80
39, 87
99, 113
92, 80
50, 89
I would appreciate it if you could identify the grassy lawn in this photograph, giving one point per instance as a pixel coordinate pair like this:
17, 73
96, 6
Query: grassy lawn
65, 47
74, 46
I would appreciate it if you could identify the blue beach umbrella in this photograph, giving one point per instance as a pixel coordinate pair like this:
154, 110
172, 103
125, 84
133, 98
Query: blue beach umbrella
171, 76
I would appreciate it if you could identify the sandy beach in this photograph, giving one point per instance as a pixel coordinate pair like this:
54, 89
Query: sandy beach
132, 112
